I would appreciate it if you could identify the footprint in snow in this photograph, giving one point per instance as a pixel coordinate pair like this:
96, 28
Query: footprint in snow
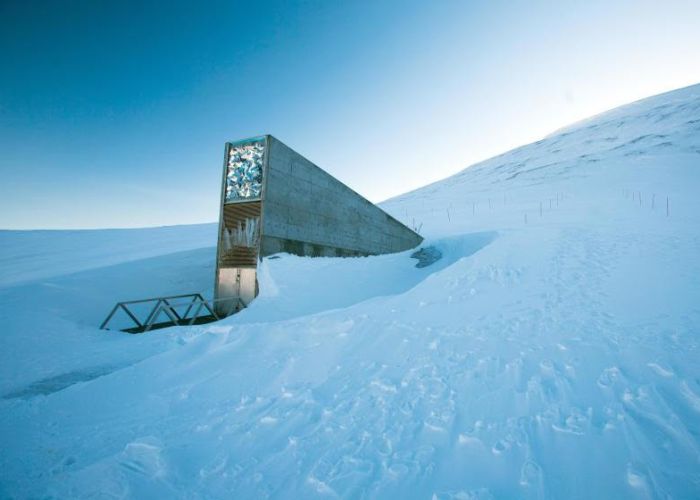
660, 370
576, 422
144, 457
637, 479
609, 376
530, 474
501, 447
469, 440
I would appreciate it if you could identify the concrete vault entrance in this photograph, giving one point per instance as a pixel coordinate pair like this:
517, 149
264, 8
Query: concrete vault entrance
274, 200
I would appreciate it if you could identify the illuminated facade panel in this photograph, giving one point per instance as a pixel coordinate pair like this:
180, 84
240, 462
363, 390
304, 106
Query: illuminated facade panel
244, 172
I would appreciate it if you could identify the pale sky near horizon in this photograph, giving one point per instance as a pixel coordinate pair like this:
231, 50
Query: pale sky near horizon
115, 114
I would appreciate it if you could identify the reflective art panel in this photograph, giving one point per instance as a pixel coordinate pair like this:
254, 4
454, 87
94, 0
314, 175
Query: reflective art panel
244, 171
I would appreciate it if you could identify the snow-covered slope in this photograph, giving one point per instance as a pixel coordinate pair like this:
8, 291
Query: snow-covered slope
33, 255
552, 352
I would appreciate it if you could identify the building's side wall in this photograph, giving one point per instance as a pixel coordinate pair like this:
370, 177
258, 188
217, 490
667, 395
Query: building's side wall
308, 212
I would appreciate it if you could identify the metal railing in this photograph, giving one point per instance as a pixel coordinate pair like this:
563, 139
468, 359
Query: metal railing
197, 310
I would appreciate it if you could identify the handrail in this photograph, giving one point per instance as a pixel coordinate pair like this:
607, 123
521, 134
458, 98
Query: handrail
168, 305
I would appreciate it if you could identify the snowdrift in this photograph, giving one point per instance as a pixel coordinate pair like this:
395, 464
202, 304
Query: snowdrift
551, 352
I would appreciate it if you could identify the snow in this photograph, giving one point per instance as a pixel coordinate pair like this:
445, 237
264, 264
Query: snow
549, 358
33, 255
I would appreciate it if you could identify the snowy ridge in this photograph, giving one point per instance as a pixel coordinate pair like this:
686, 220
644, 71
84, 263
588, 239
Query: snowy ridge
668, 124
551, 353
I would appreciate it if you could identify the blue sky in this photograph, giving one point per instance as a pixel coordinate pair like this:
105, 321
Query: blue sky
114, 114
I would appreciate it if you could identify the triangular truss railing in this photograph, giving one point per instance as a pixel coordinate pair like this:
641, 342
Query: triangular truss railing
197, 310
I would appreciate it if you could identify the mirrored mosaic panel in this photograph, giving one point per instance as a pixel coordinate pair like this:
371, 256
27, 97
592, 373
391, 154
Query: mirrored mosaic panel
244, 171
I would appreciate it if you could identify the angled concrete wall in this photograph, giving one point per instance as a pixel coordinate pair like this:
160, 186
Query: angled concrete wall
306, 211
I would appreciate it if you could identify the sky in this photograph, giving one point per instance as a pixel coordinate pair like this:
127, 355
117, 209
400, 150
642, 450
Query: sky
115, 114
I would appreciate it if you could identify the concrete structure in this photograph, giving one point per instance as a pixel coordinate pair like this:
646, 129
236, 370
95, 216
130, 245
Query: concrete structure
274, 200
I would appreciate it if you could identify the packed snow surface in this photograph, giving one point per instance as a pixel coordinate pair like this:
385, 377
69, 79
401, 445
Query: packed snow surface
552, 352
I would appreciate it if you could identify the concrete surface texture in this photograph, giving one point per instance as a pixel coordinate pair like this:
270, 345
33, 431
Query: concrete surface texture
306, 211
